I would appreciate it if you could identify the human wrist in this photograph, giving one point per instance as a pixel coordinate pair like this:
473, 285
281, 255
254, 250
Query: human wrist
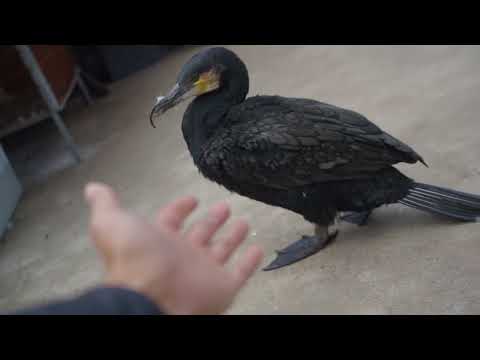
135, 286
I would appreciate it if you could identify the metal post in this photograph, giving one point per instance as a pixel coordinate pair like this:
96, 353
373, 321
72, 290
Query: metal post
48, 96
84, 89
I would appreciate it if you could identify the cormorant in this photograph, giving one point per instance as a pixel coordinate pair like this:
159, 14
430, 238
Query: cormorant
312, 158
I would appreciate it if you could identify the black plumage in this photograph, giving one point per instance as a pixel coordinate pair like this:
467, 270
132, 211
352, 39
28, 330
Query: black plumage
309, 157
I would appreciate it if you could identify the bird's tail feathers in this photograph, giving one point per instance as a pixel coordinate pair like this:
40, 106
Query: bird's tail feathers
443, 201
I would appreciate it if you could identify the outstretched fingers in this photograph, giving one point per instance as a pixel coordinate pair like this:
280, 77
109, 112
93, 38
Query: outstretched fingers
203, 230
173, 215
247, 265
223, 249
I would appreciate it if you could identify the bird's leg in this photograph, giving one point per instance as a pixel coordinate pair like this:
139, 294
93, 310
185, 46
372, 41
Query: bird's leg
357, 218
303, 248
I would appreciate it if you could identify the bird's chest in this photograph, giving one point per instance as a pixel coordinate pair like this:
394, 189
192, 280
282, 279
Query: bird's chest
214, 161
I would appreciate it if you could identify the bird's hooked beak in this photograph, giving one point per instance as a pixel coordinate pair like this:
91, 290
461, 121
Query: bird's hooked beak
206, 82
173, 98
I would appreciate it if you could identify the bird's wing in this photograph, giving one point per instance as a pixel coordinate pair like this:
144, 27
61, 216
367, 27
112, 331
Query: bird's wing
284, 143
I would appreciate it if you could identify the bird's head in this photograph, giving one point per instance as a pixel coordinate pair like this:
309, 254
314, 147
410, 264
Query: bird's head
206, 72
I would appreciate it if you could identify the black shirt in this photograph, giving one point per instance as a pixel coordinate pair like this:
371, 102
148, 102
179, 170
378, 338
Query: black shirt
98, 301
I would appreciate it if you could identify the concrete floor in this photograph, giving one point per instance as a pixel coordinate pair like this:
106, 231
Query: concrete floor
404, 262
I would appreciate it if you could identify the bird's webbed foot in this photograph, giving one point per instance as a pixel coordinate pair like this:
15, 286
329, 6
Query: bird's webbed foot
357, 218
303, 248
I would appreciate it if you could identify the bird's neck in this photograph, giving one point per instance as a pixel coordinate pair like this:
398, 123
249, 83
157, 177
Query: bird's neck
203, 117
207, 113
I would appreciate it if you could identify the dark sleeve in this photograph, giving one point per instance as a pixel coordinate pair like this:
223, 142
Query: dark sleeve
98, 301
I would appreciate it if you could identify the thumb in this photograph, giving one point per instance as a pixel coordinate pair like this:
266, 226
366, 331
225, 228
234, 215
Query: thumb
104, 208
100, 197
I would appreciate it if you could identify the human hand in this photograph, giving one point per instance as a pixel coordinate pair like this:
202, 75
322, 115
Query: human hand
183, 272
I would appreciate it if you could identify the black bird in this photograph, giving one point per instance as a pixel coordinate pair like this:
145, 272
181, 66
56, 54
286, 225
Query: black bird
309, 157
